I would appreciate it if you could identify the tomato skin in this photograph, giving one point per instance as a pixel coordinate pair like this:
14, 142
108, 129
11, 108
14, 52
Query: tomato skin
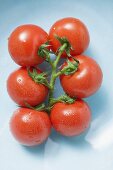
85, 81
71, 119
30, 127
21, 88
24, 42
74, 30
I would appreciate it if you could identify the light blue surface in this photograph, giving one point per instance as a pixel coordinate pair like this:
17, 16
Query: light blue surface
94, 149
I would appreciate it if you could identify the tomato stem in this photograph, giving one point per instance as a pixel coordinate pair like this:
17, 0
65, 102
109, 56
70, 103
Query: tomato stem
70, 68
54, 74
61, 50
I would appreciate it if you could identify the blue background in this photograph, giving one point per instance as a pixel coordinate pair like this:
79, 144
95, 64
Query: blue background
93, 150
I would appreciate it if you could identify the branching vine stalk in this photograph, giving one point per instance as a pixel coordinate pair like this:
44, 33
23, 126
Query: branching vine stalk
70, 68
53, 75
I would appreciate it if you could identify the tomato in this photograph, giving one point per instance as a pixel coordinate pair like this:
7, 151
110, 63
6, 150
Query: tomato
74, 30
22, 88
24, 43
30, 127
85, 81
71, 119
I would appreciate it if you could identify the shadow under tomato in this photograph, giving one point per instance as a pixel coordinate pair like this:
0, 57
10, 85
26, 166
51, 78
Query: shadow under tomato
76, 142
98, 102
45, 66
35, 150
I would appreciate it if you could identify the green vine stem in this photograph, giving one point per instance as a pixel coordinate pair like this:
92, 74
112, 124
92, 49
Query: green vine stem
41, 78
53, 74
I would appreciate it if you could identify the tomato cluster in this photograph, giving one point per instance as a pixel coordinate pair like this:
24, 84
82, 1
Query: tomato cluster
28, 86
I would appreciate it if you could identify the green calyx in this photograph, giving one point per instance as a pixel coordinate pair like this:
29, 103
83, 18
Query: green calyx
44, 52
40, 107
63, 98
64, 40
71, 67
39, 78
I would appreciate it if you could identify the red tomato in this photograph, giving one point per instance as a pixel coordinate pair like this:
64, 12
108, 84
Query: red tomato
85, 81
74, 30
71, 119
22, 88
24, 43
30, 127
